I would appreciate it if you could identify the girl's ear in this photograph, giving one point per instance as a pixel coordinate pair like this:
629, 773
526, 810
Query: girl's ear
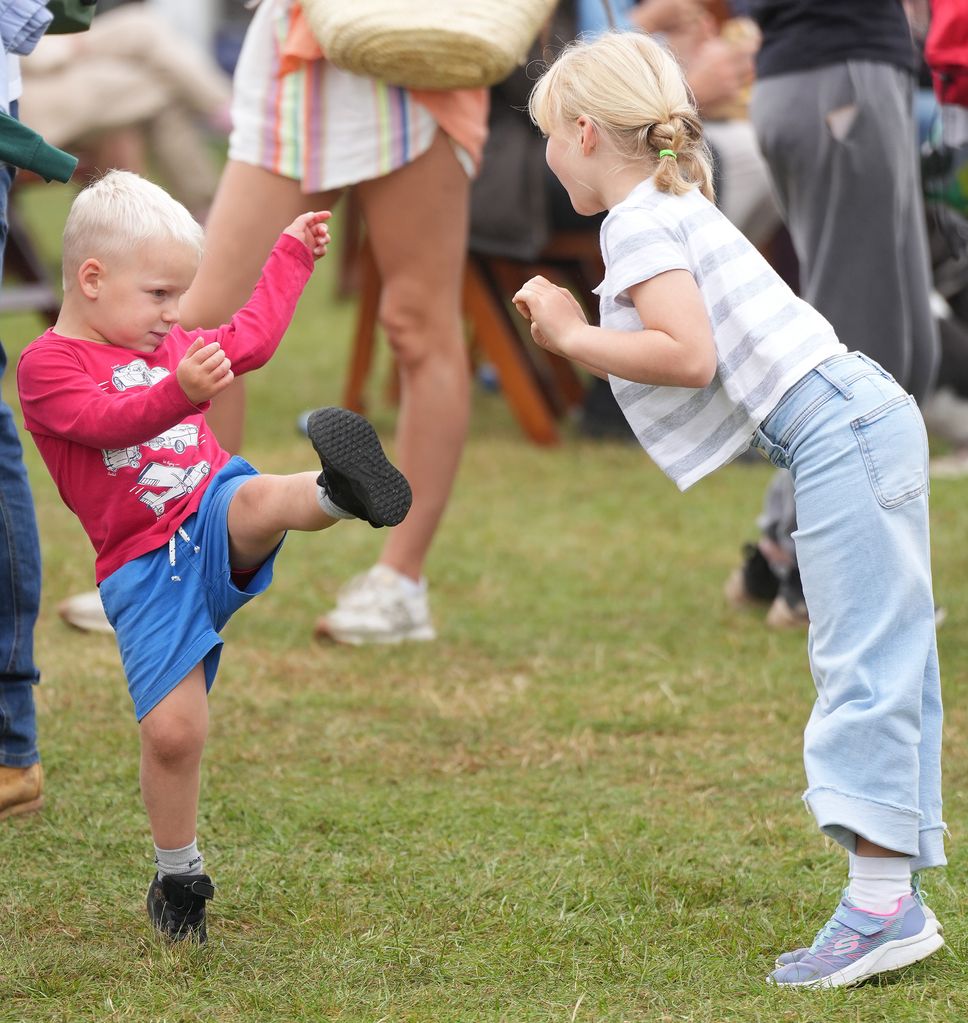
89, 276
587, 135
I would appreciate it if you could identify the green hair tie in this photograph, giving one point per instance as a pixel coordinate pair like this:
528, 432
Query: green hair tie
668, 152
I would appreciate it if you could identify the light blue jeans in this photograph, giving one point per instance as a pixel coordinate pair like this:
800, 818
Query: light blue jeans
855, 445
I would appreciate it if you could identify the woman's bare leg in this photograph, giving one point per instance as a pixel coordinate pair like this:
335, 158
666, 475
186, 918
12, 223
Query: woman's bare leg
417, 222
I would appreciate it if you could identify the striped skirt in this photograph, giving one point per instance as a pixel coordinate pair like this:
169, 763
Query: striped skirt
320, 125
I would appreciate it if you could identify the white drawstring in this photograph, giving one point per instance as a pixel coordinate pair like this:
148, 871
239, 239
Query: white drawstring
171, 551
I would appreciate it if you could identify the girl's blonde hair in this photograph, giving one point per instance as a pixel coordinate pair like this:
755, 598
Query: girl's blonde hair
120, 212
635, 93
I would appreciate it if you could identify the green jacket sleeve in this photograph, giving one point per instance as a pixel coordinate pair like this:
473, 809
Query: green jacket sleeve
21, 147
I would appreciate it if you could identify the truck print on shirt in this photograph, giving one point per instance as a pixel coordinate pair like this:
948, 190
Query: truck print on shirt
178, 439
176, 481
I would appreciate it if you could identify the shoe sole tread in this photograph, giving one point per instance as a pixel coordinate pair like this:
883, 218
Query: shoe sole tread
348, 444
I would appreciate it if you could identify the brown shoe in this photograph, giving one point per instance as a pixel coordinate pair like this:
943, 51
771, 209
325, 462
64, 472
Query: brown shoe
21, 789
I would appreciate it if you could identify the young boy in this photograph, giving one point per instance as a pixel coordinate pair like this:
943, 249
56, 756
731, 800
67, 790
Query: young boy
114, 396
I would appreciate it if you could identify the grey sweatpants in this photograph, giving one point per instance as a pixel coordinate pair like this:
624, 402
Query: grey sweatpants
841, 146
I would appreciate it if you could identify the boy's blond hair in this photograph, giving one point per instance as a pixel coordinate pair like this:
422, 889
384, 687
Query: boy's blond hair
118, 213
635, 93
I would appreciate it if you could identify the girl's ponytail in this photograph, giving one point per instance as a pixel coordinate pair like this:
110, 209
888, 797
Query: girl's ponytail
681, 155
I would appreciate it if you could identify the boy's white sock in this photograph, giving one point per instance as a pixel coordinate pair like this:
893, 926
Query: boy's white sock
187, 860
326, 503
877, 882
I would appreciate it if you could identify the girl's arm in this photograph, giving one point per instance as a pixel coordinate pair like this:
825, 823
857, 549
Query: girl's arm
676, 350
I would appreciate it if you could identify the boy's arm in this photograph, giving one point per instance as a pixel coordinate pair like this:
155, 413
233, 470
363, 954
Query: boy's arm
254, 332
60, 398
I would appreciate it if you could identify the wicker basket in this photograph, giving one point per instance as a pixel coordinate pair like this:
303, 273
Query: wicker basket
428, 44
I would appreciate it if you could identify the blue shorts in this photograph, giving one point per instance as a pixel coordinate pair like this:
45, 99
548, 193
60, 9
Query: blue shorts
168, 618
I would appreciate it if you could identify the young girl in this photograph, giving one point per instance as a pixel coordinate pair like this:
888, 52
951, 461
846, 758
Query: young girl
708, 352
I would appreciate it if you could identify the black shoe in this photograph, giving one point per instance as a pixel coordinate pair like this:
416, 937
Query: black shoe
789, 610
176, 905
754, 581
356, 474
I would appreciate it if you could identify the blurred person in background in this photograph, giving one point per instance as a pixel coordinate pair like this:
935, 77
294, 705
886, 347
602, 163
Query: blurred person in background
833, 112
22, 23
134, 94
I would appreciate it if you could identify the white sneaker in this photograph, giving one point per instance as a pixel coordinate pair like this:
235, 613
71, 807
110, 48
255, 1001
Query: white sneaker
376, 607
85, 612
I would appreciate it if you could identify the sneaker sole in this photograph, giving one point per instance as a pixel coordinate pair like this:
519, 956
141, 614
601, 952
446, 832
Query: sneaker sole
348, 444
421, 634
893, 955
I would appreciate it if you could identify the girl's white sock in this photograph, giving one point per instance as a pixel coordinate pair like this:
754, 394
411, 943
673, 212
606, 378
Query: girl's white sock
187, 860
877, 882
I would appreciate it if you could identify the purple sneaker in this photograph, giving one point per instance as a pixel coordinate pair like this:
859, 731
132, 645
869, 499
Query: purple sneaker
856, 944
785, 958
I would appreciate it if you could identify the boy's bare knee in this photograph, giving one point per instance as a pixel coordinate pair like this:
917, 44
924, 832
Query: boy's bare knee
172, 738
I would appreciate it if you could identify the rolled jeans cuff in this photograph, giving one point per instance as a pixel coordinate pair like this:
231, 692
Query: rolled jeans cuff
898, 828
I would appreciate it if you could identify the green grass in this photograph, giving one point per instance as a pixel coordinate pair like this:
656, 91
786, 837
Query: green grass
580, 804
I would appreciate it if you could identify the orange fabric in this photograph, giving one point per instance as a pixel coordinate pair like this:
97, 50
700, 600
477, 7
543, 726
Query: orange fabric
461, 113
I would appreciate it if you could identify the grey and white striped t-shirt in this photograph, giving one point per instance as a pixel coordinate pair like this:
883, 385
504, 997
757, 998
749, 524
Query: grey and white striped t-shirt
766, 338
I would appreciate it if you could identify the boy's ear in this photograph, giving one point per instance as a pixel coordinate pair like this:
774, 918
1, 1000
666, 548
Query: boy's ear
89, 277
587, 135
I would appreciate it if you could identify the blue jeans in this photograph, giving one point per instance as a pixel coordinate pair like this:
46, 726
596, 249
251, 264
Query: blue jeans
855, 445
19, 575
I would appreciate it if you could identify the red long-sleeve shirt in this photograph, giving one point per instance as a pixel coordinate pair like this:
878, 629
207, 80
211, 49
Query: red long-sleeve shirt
130, 454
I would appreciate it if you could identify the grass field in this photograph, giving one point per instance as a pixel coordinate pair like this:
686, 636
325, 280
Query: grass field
580, 804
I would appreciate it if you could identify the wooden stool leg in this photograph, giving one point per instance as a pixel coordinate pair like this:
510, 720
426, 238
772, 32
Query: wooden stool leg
570, 387
364, 338
501, 344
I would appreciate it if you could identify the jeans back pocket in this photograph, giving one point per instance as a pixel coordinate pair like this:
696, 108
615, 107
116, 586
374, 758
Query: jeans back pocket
893, 443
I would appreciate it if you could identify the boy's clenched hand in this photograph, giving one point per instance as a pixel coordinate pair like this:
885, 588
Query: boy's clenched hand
311, 230
204, 371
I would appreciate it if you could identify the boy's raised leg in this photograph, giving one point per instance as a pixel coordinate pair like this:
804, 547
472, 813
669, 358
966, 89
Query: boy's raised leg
357, 481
